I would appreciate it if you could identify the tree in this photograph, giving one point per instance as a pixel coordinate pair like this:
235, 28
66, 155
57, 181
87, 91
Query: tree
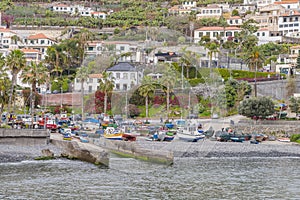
213, 49
15, 62
82, 75
189, 59
256, 108
295, 105
4, 84
290, 86
106, 86
167, 82
35, 74
298, 61
5, 5
146, 90
83, 37
255, 58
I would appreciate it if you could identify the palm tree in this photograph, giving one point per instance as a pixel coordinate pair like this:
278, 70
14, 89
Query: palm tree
213, 49
55, 58
146, 90
254, 58
189, 59
82, 74
83, 37
5, 5
106, 86
15, 62
4, 83
35, 74
167, 82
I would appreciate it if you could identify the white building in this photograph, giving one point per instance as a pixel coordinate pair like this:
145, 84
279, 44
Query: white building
210, 11
289, 22
265, 36
126, 76
39, 42
6, 37
215, 32
90, 85
290, 4
235, 21
260, 3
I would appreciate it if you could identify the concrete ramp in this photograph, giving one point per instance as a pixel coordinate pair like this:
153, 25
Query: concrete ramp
132, 149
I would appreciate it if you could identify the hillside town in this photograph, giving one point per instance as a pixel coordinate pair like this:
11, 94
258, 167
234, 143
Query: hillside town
155, 99
223, 43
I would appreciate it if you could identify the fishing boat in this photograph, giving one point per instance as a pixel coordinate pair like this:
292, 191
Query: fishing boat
84, 139
190, 134
161, 135
112, 133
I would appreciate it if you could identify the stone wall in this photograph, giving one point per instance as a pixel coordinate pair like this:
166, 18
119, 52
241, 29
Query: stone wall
278, 127
274, 89
24, 137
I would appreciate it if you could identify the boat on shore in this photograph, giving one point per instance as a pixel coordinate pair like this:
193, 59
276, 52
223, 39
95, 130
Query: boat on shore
190, 133
113, 134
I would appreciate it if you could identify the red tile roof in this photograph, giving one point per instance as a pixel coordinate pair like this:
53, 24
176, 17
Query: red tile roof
95, 76
218, 28
38, 36
30, 51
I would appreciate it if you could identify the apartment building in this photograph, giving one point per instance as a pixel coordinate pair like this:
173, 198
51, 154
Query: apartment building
216, 32
210, 11
39, 42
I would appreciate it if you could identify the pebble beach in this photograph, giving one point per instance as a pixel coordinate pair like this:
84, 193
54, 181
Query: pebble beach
208, 148
204, 148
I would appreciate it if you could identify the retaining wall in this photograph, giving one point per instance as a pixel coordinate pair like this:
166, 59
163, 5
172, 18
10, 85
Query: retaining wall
24, 137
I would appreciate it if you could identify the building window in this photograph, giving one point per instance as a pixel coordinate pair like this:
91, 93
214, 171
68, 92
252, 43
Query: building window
236, 21
200, 34
229, 33
280, 26
90, 88
132, 76
297, 24
118, 75
117, 86
42, 41
263, 33
125, 76
122, 48
286, 25
222, 34
90, 48
207, 33
290, 25
230, 21
284, 19
296, 19
124, 87
257, 34
215, 34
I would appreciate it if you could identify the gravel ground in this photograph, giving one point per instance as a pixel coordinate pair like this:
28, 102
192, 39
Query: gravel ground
12, 153
208, 148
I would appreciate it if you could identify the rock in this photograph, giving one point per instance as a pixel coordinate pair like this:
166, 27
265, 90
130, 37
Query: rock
47, 153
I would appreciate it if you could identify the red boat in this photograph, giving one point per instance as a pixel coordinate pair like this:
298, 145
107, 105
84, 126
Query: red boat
128, 137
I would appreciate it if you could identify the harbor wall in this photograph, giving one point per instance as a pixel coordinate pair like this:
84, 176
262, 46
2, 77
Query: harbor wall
132, 149
24, 137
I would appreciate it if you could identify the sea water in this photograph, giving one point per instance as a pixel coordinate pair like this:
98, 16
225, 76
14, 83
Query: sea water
127, 178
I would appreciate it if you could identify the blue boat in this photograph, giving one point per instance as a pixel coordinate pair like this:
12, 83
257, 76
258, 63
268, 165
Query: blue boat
84, 139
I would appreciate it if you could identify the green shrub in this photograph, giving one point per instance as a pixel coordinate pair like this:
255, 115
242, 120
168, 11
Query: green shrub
295, 137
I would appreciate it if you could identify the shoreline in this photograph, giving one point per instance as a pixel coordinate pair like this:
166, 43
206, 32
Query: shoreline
180, 149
